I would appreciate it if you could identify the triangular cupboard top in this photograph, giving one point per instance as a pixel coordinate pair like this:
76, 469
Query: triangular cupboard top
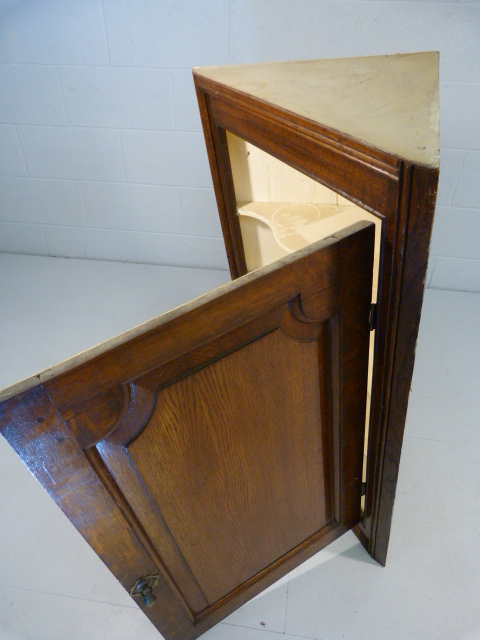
389, 102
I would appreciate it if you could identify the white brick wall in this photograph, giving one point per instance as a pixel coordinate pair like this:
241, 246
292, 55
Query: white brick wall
101, 151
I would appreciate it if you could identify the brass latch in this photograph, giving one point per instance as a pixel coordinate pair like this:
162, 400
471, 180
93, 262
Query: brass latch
143, 588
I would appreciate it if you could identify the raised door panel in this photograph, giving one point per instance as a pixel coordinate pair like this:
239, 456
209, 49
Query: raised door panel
232, 470
234, 455
229, 437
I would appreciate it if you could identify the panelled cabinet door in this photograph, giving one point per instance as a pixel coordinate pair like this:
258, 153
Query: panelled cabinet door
210, 454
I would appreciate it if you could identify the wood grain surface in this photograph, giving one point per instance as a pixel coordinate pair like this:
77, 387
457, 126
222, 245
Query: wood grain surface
224, 446
398, 192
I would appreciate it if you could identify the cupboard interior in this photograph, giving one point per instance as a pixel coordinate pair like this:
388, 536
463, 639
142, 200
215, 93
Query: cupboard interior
281, 210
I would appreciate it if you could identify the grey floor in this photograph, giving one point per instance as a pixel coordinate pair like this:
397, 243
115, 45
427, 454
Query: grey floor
53, 587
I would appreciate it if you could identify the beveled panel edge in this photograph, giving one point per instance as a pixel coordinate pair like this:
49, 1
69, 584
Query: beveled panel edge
315, 538
36, 431
126, 431
100, 457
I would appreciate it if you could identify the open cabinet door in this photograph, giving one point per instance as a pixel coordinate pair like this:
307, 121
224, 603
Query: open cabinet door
212, 451
293, 145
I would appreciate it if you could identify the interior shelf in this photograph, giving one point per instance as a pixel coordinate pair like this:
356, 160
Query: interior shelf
272, 230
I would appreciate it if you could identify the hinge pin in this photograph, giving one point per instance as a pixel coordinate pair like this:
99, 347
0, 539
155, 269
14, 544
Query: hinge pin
372, 318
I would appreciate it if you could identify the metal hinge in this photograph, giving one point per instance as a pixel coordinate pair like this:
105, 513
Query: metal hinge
372, 318
364, 488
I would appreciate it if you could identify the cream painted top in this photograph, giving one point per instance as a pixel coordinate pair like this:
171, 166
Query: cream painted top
390, 102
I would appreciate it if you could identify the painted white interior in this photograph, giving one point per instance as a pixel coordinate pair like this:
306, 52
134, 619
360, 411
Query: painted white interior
101, 150
309, 212
295, 209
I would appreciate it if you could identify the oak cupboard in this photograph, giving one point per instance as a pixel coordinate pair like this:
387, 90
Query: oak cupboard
300, 149
206, 453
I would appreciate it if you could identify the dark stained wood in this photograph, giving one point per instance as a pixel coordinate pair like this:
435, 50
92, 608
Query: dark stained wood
36, 431
216, 141
311, 153
224, 446
402, 195
234, 462
421, 208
